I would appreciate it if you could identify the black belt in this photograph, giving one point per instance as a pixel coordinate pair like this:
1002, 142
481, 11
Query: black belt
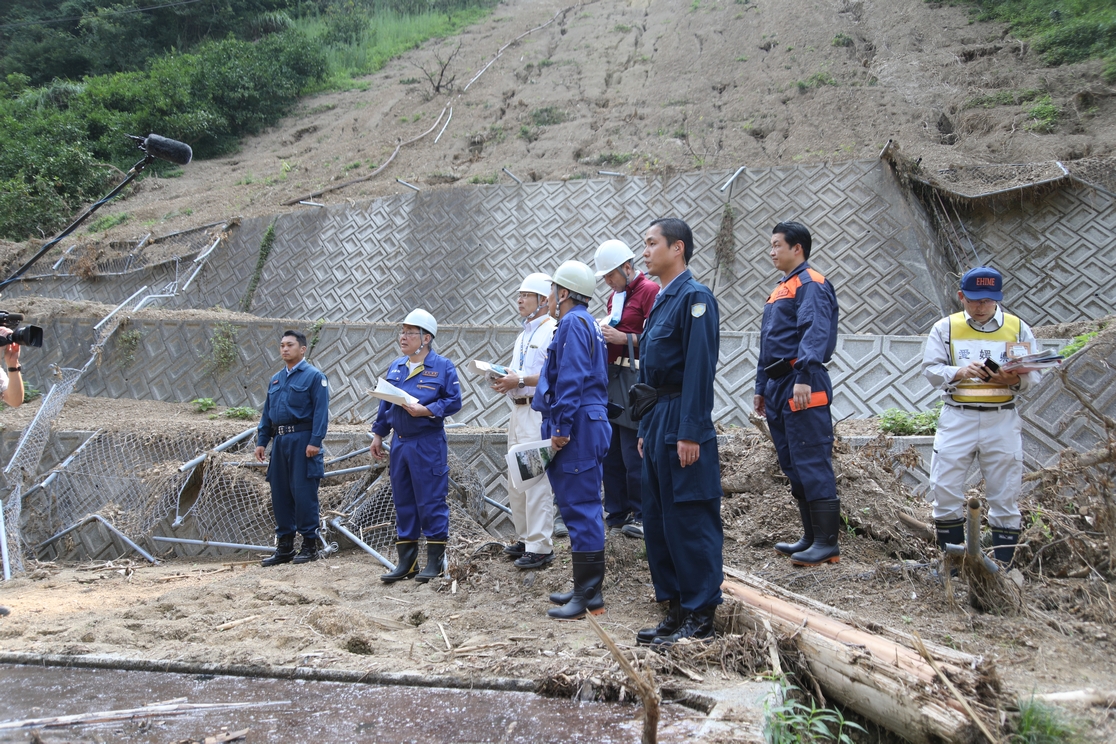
523, 401
667, 392
277, 431
1004, 407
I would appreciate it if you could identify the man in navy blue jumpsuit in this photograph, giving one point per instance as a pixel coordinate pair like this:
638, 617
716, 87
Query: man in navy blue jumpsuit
797, 339
295, 416
572, 396
418, 461
681, 468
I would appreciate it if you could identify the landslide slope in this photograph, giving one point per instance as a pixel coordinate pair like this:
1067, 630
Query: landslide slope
657, 86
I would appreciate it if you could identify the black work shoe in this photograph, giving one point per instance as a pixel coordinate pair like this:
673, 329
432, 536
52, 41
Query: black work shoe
516, 550
697, 625
634, 529
284, 552
588, 575
534, 560
673, 621
309, 551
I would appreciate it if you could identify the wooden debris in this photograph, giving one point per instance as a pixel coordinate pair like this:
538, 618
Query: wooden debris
234, 623
150, 711
1088, 696
643, 684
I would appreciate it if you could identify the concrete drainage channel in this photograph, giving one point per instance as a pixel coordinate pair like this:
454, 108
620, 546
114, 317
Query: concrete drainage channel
135, 700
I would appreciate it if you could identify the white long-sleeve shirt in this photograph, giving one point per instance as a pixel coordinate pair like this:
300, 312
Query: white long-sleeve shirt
529, 351
937, 362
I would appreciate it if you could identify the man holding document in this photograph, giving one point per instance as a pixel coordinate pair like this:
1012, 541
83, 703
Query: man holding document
968, 356
419, 453
532, 505
572, 396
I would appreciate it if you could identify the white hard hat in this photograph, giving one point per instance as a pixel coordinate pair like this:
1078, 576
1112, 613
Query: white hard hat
576, 277
612, 254
538, 283
419, 318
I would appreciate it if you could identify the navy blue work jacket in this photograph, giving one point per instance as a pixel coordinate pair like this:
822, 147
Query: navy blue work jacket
800, 323
575, 374
435, 385
295, 398
679, 347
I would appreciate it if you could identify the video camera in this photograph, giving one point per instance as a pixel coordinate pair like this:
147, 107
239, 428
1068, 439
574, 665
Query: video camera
30, 335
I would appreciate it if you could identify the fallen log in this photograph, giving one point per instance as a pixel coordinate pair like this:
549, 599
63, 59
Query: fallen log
875, 674
1088, 696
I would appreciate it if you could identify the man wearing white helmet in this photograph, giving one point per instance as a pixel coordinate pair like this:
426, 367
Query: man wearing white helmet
633, 296
533, 507
419, 455
572, 396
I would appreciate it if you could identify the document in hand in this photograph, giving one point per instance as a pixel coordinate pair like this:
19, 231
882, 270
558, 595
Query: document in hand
527, 462
488, 370
1030, 362
386, 391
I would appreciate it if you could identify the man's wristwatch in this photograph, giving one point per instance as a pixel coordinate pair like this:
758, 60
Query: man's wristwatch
17, 368
521, 384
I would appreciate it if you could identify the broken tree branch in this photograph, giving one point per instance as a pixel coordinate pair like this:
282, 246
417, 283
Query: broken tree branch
643, 684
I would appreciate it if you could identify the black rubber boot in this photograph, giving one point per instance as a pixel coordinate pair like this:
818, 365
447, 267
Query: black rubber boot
1003, 544
588, 575
950, 531
435, 561
789, 549
284, 552
407, 566
671, 623
825, 516
309, 550
697, 624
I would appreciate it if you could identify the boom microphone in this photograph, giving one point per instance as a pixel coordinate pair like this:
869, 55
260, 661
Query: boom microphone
163, 148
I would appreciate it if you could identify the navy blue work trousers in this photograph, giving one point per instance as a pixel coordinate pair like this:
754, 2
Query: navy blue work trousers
575, 476
803, 441
419, 484
294, 480
623, 473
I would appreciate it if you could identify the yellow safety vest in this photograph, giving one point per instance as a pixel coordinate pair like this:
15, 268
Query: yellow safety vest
967, 344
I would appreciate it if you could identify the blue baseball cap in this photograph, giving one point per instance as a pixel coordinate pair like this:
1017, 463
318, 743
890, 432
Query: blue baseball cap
983, 283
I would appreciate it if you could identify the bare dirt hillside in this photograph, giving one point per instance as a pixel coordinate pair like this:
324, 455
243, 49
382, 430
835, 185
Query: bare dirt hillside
641, 87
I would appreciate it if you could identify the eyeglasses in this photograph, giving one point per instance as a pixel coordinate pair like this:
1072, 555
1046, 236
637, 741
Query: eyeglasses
409, 333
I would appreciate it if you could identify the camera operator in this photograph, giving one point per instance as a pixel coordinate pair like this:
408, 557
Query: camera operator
11, 377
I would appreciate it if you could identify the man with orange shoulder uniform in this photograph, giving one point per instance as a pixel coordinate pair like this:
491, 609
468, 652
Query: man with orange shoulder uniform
793, 390
979, 420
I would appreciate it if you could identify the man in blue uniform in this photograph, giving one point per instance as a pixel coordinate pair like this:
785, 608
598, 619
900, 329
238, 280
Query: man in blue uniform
418, 462
572, 396
681, 468
295, 415
797, 339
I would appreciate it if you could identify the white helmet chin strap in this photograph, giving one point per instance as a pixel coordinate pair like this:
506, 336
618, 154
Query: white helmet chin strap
540, 308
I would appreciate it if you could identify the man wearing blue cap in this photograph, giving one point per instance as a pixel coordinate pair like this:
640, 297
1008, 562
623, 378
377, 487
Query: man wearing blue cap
962, 358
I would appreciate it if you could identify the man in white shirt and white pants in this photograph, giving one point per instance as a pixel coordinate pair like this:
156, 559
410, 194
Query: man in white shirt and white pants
533, 507
979, 419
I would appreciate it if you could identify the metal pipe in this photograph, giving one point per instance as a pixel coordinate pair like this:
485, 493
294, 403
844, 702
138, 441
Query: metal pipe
511, 175
408, 185
191, 279
219, 448
211, 544
346, 471
202, 256
97, 517
311, 204
147, 300
498, 505
245, 464
348, 455
734, 175
4, 546
118, 307
609, 173
62, 257
335, 523
443, 130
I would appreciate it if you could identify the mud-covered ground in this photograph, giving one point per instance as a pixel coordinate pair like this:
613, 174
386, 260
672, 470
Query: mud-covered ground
490, 620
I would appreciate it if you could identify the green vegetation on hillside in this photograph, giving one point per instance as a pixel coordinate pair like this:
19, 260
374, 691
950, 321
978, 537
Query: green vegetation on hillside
1062, 31
205, 77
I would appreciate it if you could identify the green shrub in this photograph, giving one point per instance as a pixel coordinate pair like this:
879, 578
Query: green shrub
904, 424
842, 40
201, 405
1044, 115
1062, 32
794, 722
30, 393
1078, 343
1039, 723
224, 352
241, 412
108, 221
548, 116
